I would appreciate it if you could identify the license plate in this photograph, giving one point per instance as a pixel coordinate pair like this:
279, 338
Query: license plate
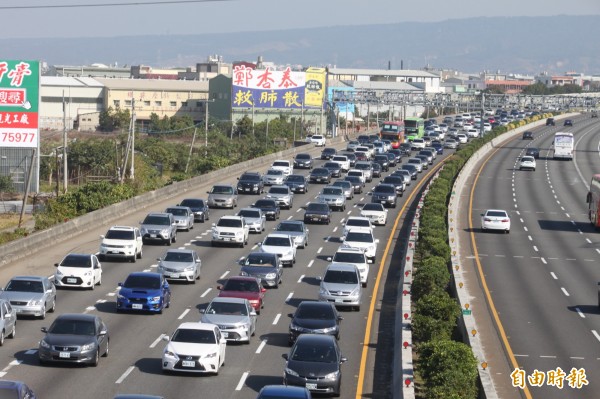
71, 280
339, 301
383, 201
226, 239
174, 275
246, 189
311, 386
188, 363
64, 355
152, 235
225, 335
137, 306
114, 252
315, 219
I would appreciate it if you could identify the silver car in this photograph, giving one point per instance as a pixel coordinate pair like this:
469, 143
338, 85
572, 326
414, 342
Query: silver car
367, 169
341, 285
184, 217
296, 229
222, 196
235, 317
180, 264
159, 227
255, 219
334, 197
8, 321
283, 195
274, 177
346, 186
30, 295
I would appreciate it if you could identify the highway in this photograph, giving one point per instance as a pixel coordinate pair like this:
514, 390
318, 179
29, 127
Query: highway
134, 363
543, 275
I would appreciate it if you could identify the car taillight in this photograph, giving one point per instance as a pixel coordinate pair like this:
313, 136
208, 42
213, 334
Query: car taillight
505, 220
487, 219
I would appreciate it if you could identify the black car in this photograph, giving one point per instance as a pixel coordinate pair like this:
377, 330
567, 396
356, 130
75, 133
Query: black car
317, 212
550, 122
312, 358
363, 139
406, 148
269, 207
391, 158
384, 194
412, 169
568, 122
377, 170
303, 161
397, 154
328, 152
320, 175
334, 168
397, 182
528, 136
297, 183
533, 151
314, 317
199, 207
357, 184
250, 183
383, 161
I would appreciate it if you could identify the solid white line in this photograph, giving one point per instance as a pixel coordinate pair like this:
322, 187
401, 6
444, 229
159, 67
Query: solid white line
291, 294
276, 320
580, 313
576, 358
544, 261
153, 344
311, 263
125, 374
564, 291
242, 381
319, 250
205, 292
224, 274
261, 346
183, 314
596, 335
300, 279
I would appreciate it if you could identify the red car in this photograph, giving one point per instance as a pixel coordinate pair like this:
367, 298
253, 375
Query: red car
249, 288
361, 156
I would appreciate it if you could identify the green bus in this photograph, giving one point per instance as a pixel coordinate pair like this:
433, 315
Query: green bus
414, 128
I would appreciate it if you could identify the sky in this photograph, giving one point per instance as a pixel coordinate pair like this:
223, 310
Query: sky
173, 17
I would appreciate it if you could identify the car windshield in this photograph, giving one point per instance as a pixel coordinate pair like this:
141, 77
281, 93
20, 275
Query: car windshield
249, 213
73, 327
332, 191
349, 257
356, 173
275, 172
373, 207
25, 286
259, 260
194, 336
177, 211
265, 204
222, 190
317, 312
250, 177
500, 214
277, 241
281, 163
157, 220
331, 165
414, 161
193, 203
297, 227
355, 236
358, 222
353, 179
295, 178
342, 184
241, 285
139, 281
320, 171
303, 156
175, 256
227, 308
119, 234
76, 261
385, 189
317, 207
340, 277
362, 166
279, 190
314, 353
393, 180
226, 222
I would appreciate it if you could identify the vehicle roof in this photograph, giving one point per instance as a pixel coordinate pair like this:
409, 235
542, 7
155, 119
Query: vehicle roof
391, 186
278, 235
231, 217
289, 391
197, 325
35, 278
177, 207
292, 221
187, 251
136, 396
360, 229
316, 338
223, 185
77, 316
230, 299
249, 208
158, 214
122, 228
496, 210
345, 249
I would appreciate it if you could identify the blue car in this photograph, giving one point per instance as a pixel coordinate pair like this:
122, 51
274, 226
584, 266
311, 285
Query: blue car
144, 291
16, 389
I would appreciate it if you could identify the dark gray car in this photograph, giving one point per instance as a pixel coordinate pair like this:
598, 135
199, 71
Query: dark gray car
264, 266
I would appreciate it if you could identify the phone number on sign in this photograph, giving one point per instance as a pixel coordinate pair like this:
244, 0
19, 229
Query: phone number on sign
17, 137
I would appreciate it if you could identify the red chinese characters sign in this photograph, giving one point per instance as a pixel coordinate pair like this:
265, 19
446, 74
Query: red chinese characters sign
19, 103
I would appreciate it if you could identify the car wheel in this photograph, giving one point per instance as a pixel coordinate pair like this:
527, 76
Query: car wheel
139, 254
106, 352
93, 285
100, 280
175, 237
133, 259
101, 257
14, 331
2, 338
357, 308
96, 359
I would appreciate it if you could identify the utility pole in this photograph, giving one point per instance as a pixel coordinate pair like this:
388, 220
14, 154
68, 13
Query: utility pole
65, 173
187, 164
132, 132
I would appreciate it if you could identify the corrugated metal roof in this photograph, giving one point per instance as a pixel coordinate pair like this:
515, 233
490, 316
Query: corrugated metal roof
386, 86
382, 72
67, 81
154, 84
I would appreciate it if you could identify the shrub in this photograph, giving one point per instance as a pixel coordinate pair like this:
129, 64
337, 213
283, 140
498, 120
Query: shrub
427, 279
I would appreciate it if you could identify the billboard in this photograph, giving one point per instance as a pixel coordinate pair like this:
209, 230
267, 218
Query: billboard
315, 87
337, 95
19, 103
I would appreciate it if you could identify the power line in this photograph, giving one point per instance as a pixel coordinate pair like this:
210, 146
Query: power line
136, 3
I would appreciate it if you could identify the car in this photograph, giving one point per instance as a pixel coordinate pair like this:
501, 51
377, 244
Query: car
384, 194
8, 324
199, 207
158, 226
274, 177
379, 147
392, 160
328, 152
416, 162
363, 139
398, 183
318, 140
356, 221
495, 219
361, 156
352, 144
357, 183
406, 148
283, 165
335, 169
438, 147
376, 170
282, 245
355, 257
265, 267
550, 122
358, 173
528, 135
376, 213
314, 362
78, 270
303, 161
30, 295
343, 160
334, 197
424, 160
363, 149
350, 156
184, 217
145, 292
297, 183
74, 338
462, 138
230, 230
314, 317
405, 174
366, 167
194, 348
246, 287
320, 175
346, 186
222, 196
383, 161
429, 154
180, 264
250, 183
473, 133
317, 212
568, 122
412, 169
283, 392
362, 238
371, 148
235, 317
451, 144
122, 242
417, 144
255, 219
398, 154
269, 207
533, 151
296, 229
527, 162
282, 195
341, 286
20, 390
594, 114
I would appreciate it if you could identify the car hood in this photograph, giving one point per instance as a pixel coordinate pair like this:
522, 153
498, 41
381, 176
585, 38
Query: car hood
220, 196
224, 229
331, 196
292, 234
258, 271
250, 220
221, 319
191, 349
312, 369
316, 212
268, 208
276, 195
112, 241
21, 296
155, 226
338, 286
240, 294
178, 217
127, 292
275, 249
176, 265
68, 339
295, 183
73, 271
372, 213
314, 324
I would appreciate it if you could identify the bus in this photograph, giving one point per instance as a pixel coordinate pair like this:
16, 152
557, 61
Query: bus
414, 127
563, 145
593, 201
393, 131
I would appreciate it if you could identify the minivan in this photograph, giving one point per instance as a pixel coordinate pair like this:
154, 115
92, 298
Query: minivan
341, 285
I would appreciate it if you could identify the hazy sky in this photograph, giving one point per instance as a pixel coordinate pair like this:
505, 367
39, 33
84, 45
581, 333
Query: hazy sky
202, 16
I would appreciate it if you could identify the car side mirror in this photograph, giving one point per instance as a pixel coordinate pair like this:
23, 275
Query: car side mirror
319, 278
340, 318
103, 332
219, 287
285, 356
56, 264
290, 315
44, 329
377, 241
253, 312
343, 360
102, 237
202, 310
213, 225
263, 289
369, 260
329, 259
166, 338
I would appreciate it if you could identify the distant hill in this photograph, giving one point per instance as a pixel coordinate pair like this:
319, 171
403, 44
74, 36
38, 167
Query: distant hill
510, 44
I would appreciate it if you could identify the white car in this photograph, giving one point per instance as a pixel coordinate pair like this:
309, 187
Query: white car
363, 239
356, 221
375, 212
78, 270
527, 162
285, 166
318, 139
495, 219
355, 257
473, 133
274, 177
343, 161
417, 163
195, 348
230, 230
124, 242
281, 245
462, 138
487, 127
358, 173
418, 144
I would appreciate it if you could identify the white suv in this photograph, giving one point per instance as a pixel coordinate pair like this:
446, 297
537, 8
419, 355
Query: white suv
285, 166
353, 256
230, 230
318, 140
363, 239
123, 242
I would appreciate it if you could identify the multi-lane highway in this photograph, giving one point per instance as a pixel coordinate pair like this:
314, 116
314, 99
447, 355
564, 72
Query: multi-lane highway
543, 275
134, 363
